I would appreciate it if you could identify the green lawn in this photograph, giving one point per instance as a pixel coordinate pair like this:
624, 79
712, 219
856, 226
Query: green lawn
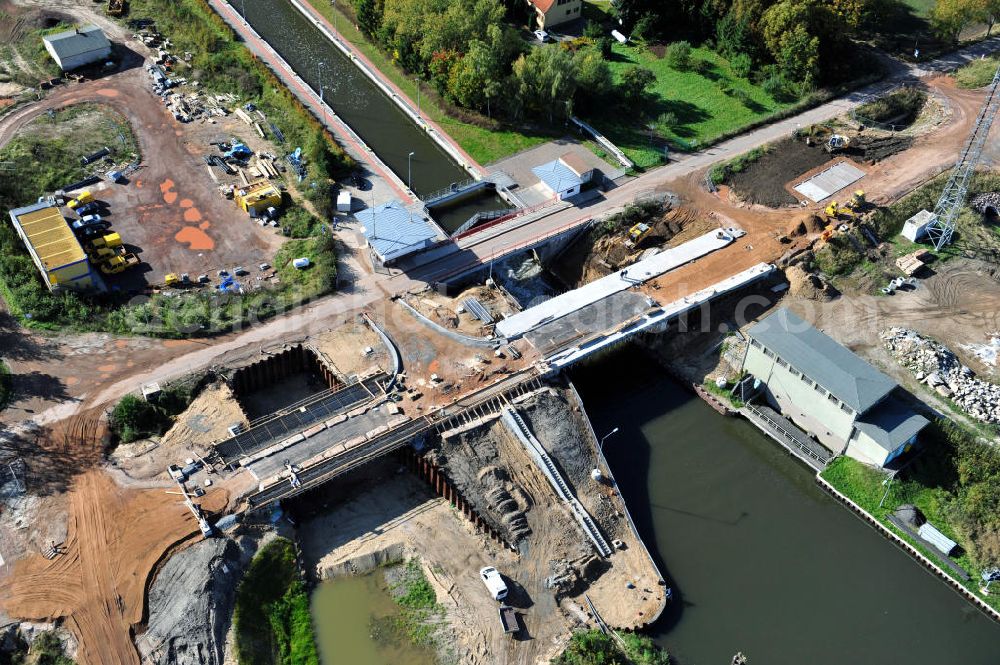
483, 145
921, 8
704, 110
864, 485
977, 73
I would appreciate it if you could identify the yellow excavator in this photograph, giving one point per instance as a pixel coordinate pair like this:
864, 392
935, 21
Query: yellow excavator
637, 234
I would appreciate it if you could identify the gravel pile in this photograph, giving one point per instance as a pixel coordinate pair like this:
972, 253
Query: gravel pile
935, 365
984, 203
191, 604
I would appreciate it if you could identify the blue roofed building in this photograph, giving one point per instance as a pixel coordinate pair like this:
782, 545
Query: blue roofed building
846, 404
394, 231
565, 176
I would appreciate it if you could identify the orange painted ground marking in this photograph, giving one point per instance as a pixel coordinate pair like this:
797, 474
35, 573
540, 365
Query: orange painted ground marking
166, 187
107, 92
72, 380
107, 368
191, 214
186, 203
195, 238
204, 225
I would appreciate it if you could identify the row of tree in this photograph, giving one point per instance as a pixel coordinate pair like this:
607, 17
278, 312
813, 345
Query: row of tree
950, 17
476, 59
807, 42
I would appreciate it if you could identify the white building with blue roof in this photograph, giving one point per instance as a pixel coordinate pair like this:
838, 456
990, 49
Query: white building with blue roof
564, 177
846, 404
393, 231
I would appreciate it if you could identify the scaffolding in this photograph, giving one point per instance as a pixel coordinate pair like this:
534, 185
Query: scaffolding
953, 197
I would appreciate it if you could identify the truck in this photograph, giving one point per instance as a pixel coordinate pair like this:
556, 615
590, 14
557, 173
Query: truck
508, 619
119, 264
84, 197
109, 241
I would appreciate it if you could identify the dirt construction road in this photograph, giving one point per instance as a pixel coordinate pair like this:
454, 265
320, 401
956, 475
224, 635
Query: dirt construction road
98, 581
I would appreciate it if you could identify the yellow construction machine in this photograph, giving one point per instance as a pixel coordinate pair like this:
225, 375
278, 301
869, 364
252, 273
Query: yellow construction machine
171, 279
636, 234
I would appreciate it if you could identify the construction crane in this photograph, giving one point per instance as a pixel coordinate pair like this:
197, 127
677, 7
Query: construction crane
952, 198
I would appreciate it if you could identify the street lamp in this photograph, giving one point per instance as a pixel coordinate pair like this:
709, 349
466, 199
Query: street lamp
409, 171
418, 96
244, 11
614, 431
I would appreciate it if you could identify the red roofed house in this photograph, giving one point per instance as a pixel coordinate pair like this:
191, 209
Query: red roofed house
553, 12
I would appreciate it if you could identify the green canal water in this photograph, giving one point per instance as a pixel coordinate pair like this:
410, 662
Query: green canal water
354, 617
761, 560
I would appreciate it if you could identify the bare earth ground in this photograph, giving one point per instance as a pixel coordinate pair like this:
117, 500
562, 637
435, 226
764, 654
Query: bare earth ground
443, 309
959, 305
343, 348
97, 584
204, 422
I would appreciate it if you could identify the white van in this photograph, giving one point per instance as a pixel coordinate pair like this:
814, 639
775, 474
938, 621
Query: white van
494, 583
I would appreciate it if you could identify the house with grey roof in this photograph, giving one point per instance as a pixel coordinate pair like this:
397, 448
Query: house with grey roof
394, 231
78, 47
846, 404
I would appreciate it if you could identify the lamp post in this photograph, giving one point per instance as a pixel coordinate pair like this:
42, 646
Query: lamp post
334, 4
614, 431
418, 96
319, 74
409, 171
244, 11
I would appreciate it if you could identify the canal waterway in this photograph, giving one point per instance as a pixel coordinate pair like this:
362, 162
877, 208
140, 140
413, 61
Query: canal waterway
761, 560
362, 105
355, 620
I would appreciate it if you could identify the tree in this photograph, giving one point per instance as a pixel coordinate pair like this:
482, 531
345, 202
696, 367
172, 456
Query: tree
798, 55
679, 56
988, 12
369, 17
949, 17
594, 79
635, 81
544, 80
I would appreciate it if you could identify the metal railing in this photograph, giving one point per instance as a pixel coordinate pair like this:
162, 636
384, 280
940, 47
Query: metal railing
794, 440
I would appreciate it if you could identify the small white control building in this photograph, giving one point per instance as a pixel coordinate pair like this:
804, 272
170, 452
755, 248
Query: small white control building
915, 227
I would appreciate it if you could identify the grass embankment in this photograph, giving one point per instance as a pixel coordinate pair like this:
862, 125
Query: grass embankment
24, 60
420, 613
47, 158
592, 647
955, 482
721, 172
272, 618
485, 140
841, 257
977, 73
707, 102
899, 108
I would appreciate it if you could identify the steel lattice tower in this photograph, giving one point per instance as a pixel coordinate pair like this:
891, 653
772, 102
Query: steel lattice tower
953, 197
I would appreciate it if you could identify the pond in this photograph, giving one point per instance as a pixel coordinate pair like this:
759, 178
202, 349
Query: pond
355, 619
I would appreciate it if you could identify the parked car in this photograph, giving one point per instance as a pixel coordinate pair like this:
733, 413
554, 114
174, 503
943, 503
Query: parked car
88, 208
85, 223
494, 583
93, 231
542, 36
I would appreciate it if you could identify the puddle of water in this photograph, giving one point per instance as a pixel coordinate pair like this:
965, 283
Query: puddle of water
354, 624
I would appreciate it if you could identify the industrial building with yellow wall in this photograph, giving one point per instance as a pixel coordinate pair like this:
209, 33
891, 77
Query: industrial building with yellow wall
257, 197
54, 249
